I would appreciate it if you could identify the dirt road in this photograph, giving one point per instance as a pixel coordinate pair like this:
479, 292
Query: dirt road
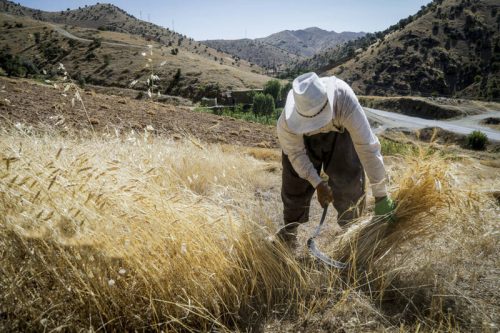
69, 35
460, 126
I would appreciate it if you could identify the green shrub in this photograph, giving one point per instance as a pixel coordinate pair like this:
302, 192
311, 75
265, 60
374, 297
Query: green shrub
90, 56
37, 37
13, 65
52, 52
477, 140
107, 59
96, 43
270, 106
263, 105
73, 43
273, 88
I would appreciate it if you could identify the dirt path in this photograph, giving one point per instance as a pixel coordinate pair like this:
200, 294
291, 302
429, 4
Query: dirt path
36, 104
69, 35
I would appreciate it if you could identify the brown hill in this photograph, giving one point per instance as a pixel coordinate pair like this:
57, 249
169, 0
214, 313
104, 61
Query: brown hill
284, 48
255, 51
449, 48
453, 49
102, 45
307, 42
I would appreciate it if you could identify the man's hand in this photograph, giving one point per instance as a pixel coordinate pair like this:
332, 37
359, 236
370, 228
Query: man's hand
384, 208
325, 195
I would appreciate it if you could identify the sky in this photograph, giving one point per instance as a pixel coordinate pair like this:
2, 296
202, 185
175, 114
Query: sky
234, 19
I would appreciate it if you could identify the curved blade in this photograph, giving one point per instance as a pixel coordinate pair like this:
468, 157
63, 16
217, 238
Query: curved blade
323, 257
316, 252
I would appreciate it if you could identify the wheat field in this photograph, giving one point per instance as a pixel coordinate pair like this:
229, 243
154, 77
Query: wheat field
122, 233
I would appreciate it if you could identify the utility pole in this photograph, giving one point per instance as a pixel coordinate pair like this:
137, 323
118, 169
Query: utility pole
173, 25
149, 18
140, 14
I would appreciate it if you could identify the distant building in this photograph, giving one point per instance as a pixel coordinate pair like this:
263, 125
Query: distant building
208, 102
235, 97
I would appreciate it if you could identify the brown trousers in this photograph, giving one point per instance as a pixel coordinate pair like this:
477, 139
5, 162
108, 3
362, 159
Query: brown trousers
335, 153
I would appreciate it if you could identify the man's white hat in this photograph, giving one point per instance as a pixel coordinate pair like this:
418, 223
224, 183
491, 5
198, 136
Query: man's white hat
309, 104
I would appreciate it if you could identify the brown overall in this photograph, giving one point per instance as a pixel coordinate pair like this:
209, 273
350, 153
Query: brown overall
335, 153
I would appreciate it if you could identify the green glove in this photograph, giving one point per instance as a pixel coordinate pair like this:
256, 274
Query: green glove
384, 208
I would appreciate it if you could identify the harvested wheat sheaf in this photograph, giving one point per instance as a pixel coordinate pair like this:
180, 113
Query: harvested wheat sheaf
131, 234
426, 199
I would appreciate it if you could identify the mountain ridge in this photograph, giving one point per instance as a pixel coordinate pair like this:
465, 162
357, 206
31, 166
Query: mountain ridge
282, 48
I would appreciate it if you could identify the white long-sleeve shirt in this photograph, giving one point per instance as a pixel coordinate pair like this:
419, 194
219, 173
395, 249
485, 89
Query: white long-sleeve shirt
348, 114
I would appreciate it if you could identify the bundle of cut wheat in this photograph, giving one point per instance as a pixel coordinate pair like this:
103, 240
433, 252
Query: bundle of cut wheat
425, 197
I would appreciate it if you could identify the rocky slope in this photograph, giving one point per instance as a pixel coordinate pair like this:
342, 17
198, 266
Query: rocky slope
449, 48
284, 47
102, 44
310, 41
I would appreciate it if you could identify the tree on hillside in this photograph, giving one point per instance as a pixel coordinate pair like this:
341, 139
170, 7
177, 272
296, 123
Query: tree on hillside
263, 105
273, 88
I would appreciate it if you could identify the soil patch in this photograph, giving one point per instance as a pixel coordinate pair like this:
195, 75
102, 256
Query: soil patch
36, 104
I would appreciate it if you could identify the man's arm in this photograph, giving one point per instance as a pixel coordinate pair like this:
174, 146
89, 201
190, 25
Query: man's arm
293, 146
353, 118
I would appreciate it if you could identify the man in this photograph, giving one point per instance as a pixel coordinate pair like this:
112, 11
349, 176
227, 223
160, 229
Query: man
324, 126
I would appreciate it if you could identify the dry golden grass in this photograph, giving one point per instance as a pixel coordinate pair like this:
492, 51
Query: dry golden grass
134, 234
426, 199
141, 233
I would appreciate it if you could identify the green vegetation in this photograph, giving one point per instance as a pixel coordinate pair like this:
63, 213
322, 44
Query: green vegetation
263, 105
239, 112
174, 84
273, 88
16, 66
96, 43
107, 59
391, 147
37, 37
52, 52
477, 140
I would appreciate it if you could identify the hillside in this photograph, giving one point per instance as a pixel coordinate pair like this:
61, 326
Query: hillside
284, 47
449, 48
255, 51
102, 45
40, 106
307, 42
